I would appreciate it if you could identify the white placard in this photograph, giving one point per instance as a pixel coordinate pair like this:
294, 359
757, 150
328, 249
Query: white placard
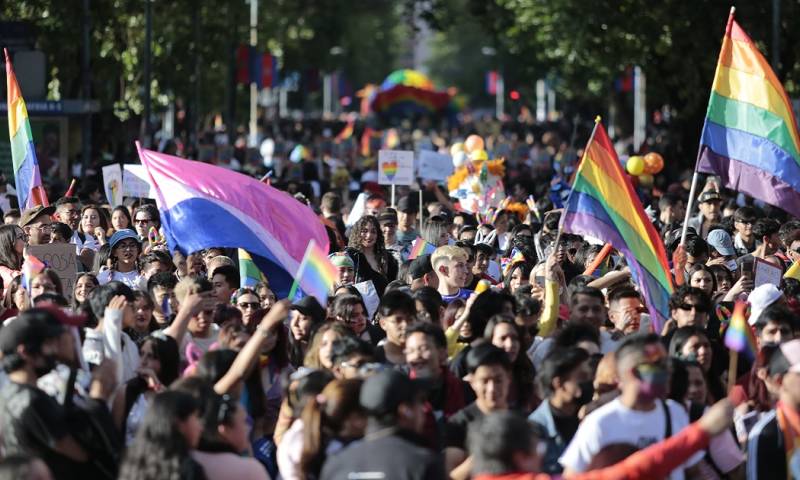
435, 166
395, 167
766, 272
370, 297
112, 184
135, 182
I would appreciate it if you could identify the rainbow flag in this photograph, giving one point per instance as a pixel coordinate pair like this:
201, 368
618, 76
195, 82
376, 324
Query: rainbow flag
739, 337
316, 275
508, 262
30, 267
346, 132
604, 205
27, 177
750, 136
248, 270
420, 247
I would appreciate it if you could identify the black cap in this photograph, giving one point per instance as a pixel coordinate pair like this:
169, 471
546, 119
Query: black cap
310, 307
420, 266
388, 216
710, 196
31, 327
31, 214
407, 205
383, 392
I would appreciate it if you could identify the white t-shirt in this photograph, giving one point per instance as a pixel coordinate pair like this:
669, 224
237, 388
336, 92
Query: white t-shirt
616, 423
132, 279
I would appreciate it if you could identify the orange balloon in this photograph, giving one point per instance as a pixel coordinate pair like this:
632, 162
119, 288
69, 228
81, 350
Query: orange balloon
472, 143
653, 163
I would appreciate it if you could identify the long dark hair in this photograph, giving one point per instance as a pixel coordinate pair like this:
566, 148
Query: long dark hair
101, 215
354, 241
125, 213
522, 369
8, 254
323, 420
160, 451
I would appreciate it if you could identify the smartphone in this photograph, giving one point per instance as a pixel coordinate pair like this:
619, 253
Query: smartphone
748, 266
539, 279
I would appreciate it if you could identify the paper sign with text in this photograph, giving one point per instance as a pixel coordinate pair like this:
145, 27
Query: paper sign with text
60, 257
135, 182
395, 167
435, 166
766, 272
112, 183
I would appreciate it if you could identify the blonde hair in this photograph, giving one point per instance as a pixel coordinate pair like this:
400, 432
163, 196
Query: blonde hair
447, 253
190, 285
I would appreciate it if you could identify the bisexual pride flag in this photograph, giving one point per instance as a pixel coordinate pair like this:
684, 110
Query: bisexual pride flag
204, 206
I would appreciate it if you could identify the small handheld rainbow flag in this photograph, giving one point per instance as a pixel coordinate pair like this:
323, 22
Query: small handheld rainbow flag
420, 247
316, 275
30, 267
739, 337
346, 132
508, 262
248, 271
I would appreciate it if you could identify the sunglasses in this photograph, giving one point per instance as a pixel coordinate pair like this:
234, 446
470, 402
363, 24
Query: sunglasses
689, 306
251, 305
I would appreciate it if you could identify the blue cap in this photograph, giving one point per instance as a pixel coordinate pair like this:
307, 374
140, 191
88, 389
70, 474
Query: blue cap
721, 241
121, 235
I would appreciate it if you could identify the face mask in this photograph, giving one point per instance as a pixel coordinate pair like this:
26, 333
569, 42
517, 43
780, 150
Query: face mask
587, 392
654, 382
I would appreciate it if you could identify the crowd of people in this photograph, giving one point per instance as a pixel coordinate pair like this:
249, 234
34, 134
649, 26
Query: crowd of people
501, 354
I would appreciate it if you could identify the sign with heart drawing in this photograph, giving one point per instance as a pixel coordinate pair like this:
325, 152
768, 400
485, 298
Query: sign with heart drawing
395, 167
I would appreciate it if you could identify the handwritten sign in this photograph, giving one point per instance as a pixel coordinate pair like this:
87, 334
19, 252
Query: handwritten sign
766, 272
112, 183
60, 257
135, 182
435, 166
395, 167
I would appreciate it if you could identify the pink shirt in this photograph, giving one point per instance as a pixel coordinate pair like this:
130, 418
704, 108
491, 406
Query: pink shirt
223, 466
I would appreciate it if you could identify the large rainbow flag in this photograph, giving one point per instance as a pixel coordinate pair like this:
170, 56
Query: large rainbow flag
604, 205
27, 177
750, 136
204, 206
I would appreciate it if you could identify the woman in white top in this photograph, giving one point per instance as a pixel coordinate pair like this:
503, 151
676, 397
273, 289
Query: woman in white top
92, 228
125, 249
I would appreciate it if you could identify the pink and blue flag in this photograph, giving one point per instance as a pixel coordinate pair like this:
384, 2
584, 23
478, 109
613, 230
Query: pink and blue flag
205, 206
31, 265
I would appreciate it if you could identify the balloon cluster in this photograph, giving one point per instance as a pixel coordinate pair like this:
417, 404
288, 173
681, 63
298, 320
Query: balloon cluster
471, 149
644, 167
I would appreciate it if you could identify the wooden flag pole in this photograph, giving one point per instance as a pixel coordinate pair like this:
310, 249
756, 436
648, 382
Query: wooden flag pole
733, 364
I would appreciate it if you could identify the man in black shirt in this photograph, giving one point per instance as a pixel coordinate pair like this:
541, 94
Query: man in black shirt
32, 422
489, 375
392, 448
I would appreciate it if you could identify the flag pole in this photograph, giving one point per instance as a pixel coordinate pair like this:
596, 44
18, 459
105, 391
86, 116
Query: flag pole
696, 175
563, 214
733, 364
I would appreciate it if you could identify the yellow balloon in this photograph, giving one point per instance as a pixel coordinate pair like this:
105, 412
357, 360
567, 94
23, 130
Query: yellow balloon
456, 147
646, 180
479, 155
473, 143
635, 165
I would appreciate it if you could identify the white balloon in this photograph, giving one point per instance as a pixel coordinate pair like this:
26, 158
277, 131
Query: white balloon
459, 158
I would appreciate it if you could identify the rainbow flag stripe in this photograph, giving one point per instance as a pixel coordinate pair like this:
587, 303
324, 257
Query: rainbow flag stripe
316, 275
750, 136
420, 247
27, 177
249, 273
604, 205
739, 337
346, 132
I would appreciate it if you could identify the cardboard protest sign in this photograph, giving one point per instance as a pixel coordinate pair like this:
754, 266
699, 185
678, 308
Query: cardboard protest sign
435, 166
112, 184
135, 182
395, 167
62, 258
766, 272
